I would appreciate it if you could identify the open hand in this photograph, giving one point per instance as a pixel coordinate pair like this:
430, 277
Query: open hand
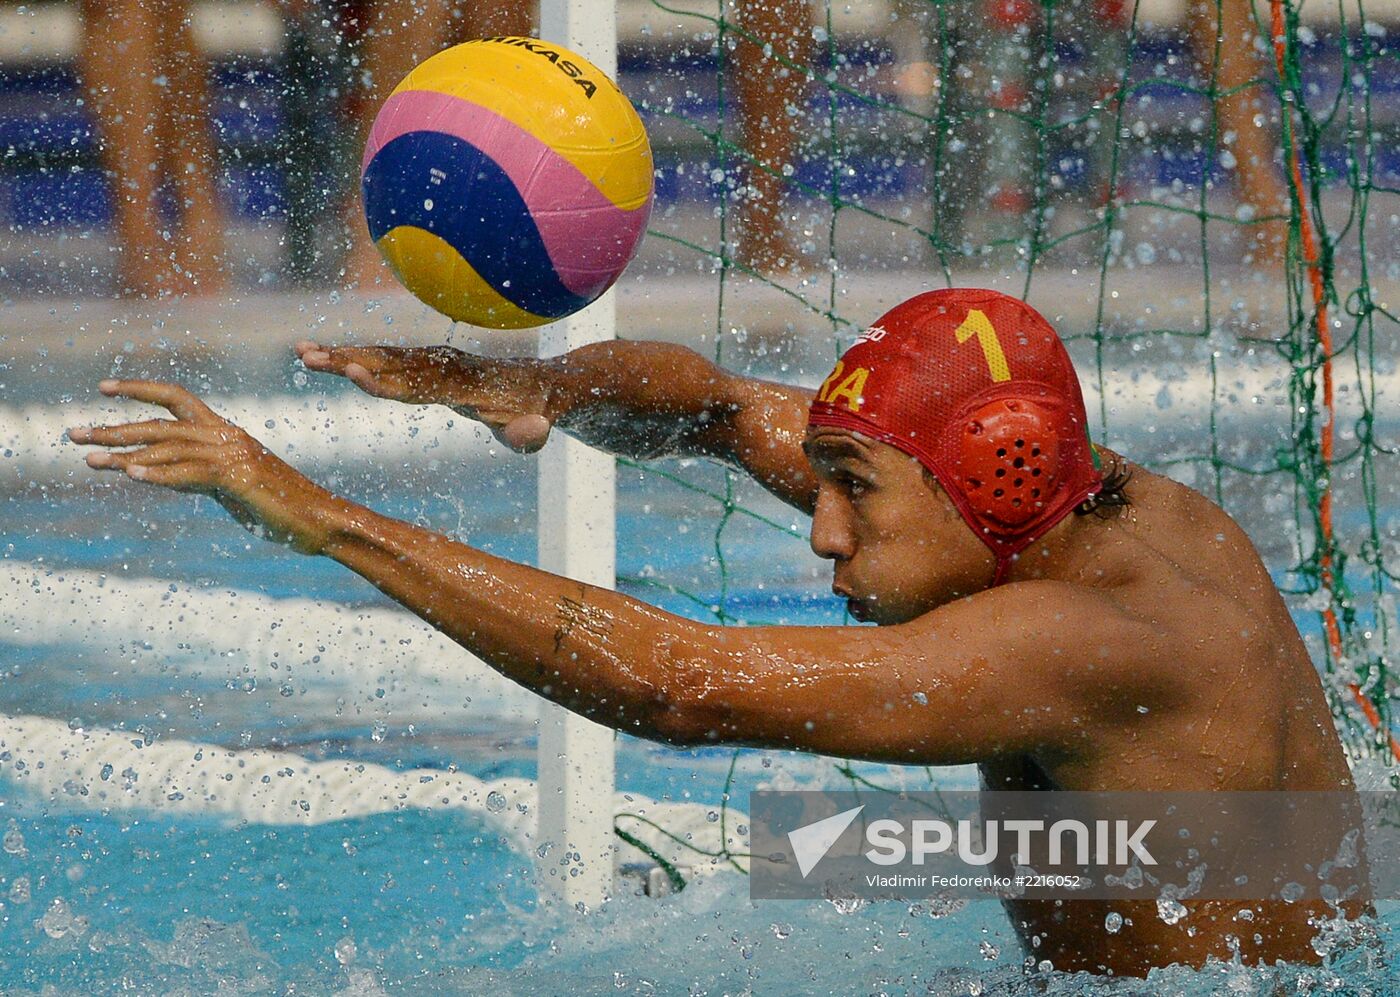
510, 397
200, 452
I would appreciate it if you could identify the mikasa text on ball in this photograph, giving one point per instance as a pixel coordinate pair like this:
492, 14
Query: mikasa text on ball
507, 181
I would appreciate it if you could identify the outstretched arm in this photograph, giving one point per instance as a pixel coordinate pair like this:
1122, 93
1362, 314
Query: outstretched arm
968, 681
590, 650
639, 400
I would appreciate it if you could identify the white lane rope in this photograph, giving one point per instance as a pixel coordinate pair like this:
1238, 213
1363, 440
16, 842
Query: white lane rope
60, 768
151, 626
317, 431
311, 431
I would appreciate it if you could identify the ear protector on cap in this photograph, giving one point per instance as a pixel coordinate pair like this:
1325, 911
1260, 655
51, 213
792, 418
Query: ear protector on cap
1009, 461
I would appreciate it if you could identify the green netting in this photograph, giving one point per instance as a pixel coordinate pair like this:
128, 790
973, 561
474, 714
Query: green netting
1084, 106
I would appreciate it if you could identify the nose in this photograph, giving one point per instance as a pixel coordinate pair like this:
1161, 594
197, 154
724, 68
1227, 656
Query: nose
831, 528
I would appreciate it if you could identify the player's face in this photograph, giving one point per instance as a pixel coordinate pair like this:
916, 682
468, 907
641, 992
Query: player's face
899, 546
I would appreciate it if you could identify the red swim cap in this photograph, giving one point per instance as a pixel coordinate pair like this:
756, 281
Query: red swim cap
977, 387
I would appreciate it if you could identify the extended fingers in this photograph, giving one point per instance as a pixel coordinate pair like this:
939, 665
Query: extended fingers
360, 365
181, 403
361, 377
136, 433
314, 356
185, 476
178, 464
335, 359
169, 452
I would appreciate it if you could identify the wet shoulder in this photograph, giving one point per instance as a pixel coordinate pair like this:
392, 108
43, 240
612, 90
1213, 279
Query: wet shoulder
1192, 579
1187, 540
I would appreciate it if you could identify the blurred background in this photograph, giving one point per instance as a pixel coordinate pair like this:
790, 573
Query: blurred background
160, 148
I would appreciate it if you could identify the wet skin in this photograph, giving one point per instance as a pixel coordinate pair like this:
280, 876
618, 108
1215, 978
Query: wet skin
1146, 650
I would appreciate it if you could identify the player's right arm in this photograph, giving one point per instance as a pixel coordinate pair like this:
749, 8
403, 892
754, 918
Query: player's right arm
633, 399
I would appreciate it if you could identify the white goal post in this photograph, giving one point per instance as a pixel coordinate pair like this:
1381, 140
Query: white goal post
577, 538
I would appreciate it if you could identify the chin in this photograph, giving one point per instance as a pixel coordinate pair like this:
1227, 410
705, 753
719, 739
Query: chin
889, 614
883, 616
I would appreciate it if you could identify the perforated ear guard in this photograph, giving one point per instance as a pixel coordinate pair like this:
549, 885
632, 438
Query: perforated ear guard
1009, 462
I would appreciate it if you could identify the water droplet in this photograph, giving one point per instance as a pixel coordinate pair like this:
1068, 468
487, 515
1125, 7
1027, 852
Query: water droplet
945, 906
989, 951
58, 920
782, 930
1113, 923
846, 904
345, 951
495, 801
1170, 910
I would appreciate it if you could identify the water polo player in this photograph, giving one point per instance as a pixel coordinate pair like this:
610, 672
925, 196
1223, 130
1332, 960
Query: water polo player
1060, 617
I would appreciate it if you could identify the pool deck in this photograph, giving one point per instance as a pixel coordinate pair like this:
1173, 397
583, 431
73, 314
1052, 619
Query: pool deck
760, 318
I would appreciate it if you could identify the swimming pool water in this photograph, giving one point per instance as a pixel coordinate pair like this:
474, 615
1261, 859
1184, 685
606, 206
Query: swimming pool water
424, 903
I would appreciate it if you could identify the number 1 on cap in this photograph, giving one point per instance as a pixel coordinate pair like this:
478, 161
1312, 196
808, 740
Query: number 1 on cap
977, 324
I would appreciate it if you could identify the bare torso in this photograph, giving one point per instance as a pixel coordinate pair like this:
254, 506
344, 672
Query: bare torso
1254, 717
